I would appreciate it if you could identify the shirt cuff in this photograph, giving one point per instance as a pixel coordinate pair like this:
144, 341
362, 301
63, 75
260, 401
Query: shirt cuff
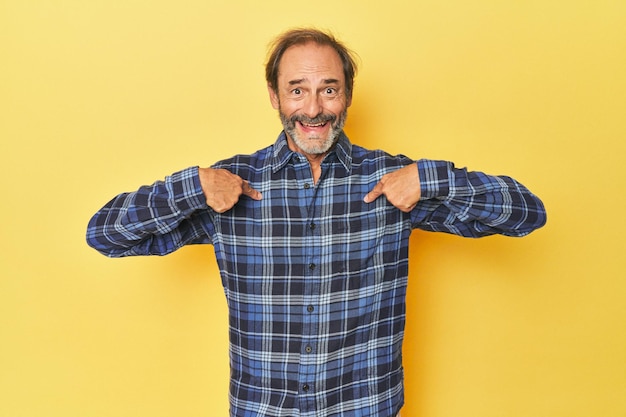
186, 190
434, 178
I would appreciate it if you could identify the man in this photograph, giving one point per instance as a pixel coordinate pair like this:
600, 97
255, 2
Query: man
311, 238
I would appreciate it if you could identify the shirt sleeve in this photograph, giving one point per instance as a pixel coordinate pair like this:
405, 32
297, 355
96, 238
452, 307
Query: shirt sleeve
154, 220
473, 204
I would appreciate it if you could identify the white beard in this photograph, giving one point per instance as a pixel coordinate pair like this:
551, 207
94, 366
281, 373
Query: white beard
312, 145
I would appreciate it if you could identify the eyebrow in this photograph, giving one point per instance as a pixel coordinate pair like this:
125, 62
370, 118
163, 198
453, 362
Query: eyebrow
326, 81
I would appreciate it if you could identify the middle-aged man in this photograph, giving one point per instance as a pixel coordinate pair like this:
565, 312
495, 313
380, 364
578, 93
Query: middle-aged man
311, 237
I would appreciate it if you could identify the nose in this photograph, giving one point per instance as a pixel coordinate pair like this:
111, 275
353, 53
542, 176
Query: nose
312, 106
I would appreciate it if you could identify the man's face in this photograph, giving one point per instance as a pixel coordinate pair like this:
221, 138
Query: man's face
311, 97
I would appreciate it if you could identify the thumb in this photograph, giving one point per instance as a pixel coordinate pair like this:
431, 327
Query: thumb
251, 192
376, 192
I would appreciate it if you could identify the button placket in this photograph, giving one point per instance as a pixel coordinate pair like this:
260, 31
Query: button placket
311, 251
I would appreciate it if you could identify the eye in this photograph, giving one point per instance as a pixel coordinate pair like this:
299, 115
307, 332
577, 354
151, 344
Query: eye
296, 91
330, 91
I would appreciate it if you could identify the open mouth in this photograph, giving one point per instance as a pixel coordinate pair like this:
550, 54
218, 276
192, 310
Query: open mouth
313, 125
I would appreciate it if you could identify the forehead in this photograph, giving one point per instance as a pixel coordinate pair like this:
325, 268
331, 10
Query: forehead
310, 60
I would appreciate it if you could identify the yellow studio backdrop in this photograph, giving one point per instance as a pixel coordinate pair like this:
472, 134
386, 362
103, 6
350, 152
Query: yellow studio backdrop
99, 97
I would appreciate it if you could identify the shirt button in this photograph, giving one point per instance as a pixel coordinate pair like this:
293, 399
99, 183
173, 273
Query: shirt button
311, 266
312, 226
308, 349
305, 387
310, 308
307, 186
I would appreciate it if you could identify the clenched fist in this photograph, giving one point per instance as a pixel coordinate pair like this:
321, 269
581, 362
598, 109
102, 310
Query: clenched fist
223, 189
401, 187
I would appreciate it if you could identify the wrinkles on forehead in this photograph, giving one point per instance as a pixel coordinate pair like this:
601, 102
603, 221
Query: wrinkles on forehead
310, 63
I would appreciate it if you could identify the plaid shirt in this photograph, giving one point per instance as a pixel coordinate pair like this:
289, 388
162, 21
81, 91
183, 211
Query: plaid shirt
315, 279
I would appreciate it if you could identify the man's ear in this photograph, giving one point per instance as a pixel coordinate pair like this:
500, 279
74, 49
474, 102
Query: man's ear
273, 96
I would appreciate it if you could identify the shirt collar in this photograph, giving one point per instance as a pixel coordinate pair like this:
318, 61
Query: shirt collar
282, 154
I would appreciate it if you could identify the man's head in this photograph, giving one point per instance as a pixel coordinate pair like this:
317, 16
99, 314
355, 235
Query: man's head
304, 36
310, 77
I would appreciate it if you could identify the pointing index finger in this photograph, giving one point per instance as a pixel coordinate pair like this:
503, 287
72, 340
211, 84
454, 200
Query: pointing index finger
250, 192
376, 192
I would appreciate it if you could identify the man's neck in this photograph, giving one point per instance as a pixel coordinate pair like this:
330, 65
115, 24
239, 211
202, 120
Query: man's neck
315, 159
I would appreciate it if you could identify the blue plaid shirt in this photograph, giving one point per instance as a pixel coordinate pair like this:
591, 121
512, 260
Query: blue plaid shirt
315, 278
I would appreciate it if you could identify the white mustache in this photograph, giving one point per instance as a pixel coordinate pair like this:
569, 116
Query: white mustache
322, 118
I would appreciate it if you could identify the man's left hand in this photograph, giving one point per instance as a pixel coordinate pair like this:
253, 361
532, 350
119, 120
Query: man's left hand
401, 187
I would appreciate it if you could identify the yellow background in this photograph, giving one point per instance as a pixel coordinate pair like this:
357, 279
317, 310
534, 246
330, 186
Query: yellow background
101, 96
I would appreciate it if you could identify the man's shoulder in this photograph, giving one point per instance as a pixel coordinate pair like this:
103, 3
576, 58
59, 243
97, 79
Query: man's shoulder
366, 157
255, 160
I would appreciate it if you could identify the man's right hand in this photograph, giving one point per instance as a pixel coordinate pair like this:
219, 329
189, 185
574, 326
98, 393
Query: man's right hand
222, 188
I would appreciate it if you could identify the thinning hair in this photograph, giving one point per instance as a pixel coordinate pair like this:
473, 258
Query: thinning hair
303, 36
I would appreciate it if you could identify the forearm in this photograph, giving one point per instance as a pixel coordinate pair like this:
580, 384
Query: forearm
474, 204
154, 220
